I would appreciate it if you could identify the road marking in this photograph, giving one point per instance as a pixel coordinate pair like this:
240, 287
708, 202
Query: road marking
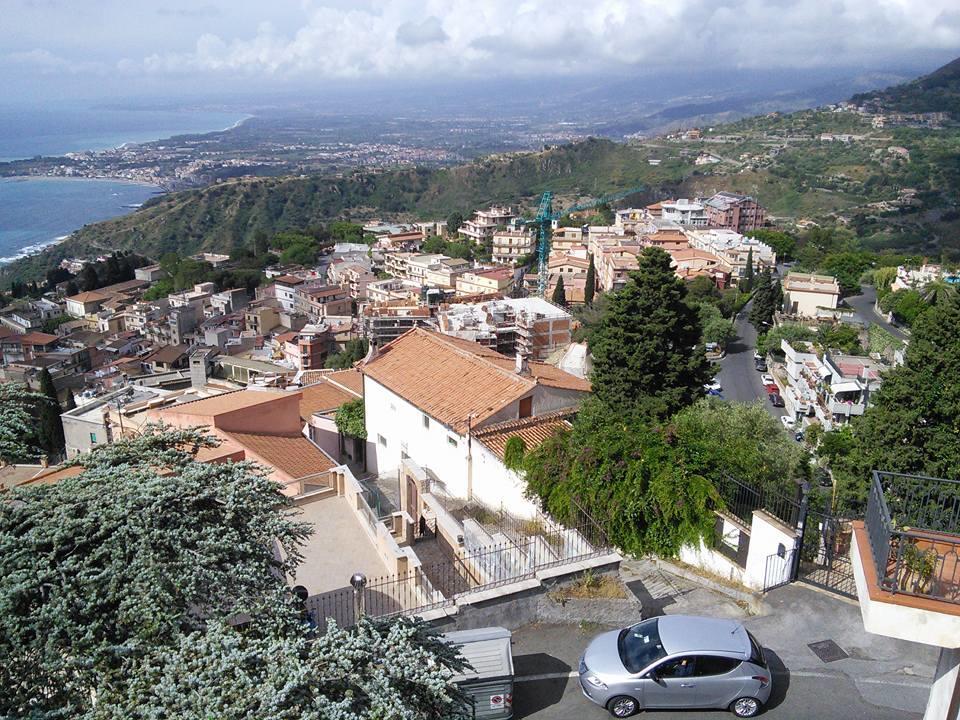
792, 674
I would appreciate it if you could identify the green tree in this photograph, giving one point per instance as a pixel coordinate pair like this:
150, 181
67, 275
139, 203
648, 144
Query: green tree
590, 287
559, 296
747, 283
882, 279
88, 279
764, 303
783, 244
18, 434
395, 670
703, 290
937, 292
514, 451
50, 428
847, 268
350, 419
911, 426
845, 338
625, 472
716, 328
906, 305
353, 351
716, 438
791, 332
454, 222
646, 346
71, 288
179, 549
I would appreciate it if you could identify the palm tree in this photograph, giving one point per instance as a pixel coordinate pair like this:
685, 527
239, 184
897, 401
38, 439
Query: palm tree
938, 291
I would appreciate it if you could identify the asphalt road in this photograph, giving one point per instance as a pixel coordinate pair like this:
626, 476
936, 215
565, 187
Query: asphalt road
863, 304
738, 376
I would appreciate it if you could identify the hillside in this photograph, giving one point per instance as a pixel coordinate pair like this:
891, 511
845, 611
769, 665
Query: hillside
937, 92
230, 214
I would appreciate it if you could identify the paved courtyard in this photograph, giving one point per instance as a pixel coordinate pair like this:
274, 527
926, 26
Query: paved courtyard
881, 679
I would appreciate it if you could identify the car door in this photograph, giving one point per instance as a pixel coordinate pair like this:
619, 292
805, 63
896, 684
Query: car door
673, 685
718, 681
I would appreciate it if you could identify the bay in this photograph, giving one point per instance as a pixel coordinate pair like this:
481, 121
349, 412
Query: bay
36, 212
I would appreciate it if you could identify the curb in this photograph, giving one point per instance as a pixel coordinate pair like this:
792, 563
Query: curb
754, 601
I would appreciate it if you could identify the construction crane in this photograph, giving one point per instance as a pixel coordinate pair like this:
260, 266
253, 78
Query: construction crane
542, 224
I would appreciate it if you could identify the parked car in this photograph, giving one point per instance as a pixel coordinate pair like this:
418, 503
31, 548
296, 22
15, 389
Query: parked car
788, 422
713, 385
772, 388
798, 436
767, 379
775, 399
674, 662
760, 364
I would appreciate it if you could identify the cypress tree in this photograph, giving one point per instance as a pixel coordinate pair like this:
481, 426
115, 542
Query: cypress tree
50, 427
747, 282
559, 294
764, 303
646, 346
591, 286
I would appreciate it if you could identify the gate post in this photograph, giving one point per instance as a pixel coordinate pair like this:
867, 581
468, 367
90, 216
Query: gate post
801, 526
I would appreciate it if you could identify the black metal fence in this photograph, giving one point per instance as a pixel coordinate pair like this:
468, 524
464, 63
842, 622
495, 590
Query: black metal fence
741, 499
913, 524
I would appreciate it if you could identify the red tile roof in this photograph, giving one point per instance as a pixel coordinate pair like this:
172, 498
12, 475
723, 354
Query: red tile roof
452, 379
533, 430
295, 456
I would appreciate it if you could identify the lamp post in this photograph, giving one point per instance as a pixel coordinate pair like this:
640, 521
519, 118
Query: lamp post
359, 582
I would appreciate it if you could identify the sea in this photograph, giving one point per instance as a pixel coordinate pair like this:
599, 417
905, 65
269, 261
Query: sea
37, 212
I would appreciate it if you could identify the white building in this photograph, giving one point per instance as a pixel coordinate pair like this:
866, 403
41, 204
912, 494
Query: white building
684, 212
511, 245
428, 397
803, 294
733, 249
832, 387
484, 223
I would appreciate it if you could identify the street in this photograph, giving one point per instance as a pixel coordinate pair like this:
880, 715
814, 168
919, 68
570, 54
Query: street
863, 305
738, 376
879, 679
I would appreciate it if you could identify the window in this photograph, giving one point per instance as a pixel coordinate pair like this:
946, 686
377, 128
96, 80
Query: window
677, 668
452, 440
526, 407
712, 665
639, 645
426, 422
382, 440
93, 438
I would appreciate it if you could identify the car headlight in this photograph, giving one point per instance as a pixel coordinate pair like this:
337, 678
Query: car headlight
596, 682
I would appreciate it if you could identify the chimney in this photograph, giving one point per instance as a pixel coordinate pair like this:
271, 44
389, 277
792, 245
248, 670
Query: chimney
522, 367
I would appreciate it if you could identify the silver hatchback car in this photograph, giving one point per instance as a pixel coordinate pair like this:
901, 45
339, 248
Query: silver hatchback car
677, 661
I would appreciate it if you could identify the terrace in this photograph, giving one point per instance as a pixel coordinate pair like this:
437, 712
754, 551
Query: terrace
913, 524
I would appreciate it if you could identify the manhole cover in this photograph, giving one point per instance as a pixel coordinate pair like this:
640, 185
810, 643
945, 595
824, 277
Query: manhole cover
828, 650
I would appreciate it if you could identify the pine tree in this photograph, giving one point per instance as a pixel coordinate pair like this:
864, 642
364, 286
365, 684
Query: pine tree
747, 283
559, 294
591, 285
646, 346
88, 278
50, 430
71, 289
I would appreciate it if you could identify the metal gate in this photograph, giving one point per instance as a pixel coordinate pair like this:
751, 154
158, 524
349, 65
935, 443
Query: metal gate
825, 553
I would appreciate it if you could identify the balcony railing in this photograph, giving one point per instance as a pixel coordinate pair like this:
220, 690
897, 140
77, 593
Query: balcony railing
913, 523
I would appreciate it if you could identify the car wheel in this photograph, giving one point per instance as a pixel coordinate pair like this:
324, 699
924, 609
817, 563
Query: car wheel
745, 707
622, 706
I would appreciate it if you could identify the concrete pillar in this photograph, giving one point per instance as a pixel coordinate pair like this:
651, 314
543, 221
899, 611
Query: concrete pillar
944, 700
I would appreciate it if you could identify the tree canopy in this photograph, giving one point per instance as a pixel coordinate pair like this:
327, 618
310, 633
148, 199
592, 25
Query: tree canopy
18, 430
646, 344
125, 583
50, 428
559, 296
590, 287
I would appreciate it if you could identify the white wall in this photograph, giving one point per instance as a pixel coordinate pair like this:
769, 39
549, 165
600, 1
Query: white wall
494, 485
712, 561
399, 422
767, 536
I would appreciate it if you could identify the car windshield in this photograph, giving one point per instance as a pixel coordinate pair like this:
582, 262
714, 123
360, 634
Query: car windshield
639, 645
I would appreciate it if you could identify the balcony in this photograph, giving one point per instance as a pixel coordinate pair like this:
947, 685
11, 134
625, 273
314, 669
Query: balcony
905, 559
913, 524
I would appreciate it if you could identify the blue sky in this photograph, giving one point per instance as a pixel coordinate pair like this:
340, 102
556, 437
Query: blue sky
53, 47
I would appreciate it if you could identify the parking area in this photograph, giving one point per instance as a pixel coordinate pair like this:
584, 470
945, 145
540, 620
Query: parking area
879, 679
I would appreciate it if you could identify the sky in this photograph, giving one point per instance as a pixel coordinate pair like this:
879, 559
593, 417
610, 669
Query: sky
58, 48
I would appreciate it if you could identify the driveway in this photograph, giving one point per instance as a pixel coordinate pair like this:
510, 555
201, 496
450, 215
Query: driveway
738, 376
880, 679
863, 305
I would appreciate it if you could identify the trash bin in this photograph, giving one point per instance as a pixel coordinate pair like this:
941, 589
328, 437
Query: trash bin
490, 683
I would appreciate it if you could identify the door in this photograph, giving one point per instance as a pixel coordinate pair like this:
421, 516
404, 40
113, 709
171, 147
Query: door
718, 681
674, 685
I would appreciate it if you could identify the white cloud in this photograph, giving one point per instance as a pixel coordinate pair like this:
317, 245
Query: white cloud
457, 38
